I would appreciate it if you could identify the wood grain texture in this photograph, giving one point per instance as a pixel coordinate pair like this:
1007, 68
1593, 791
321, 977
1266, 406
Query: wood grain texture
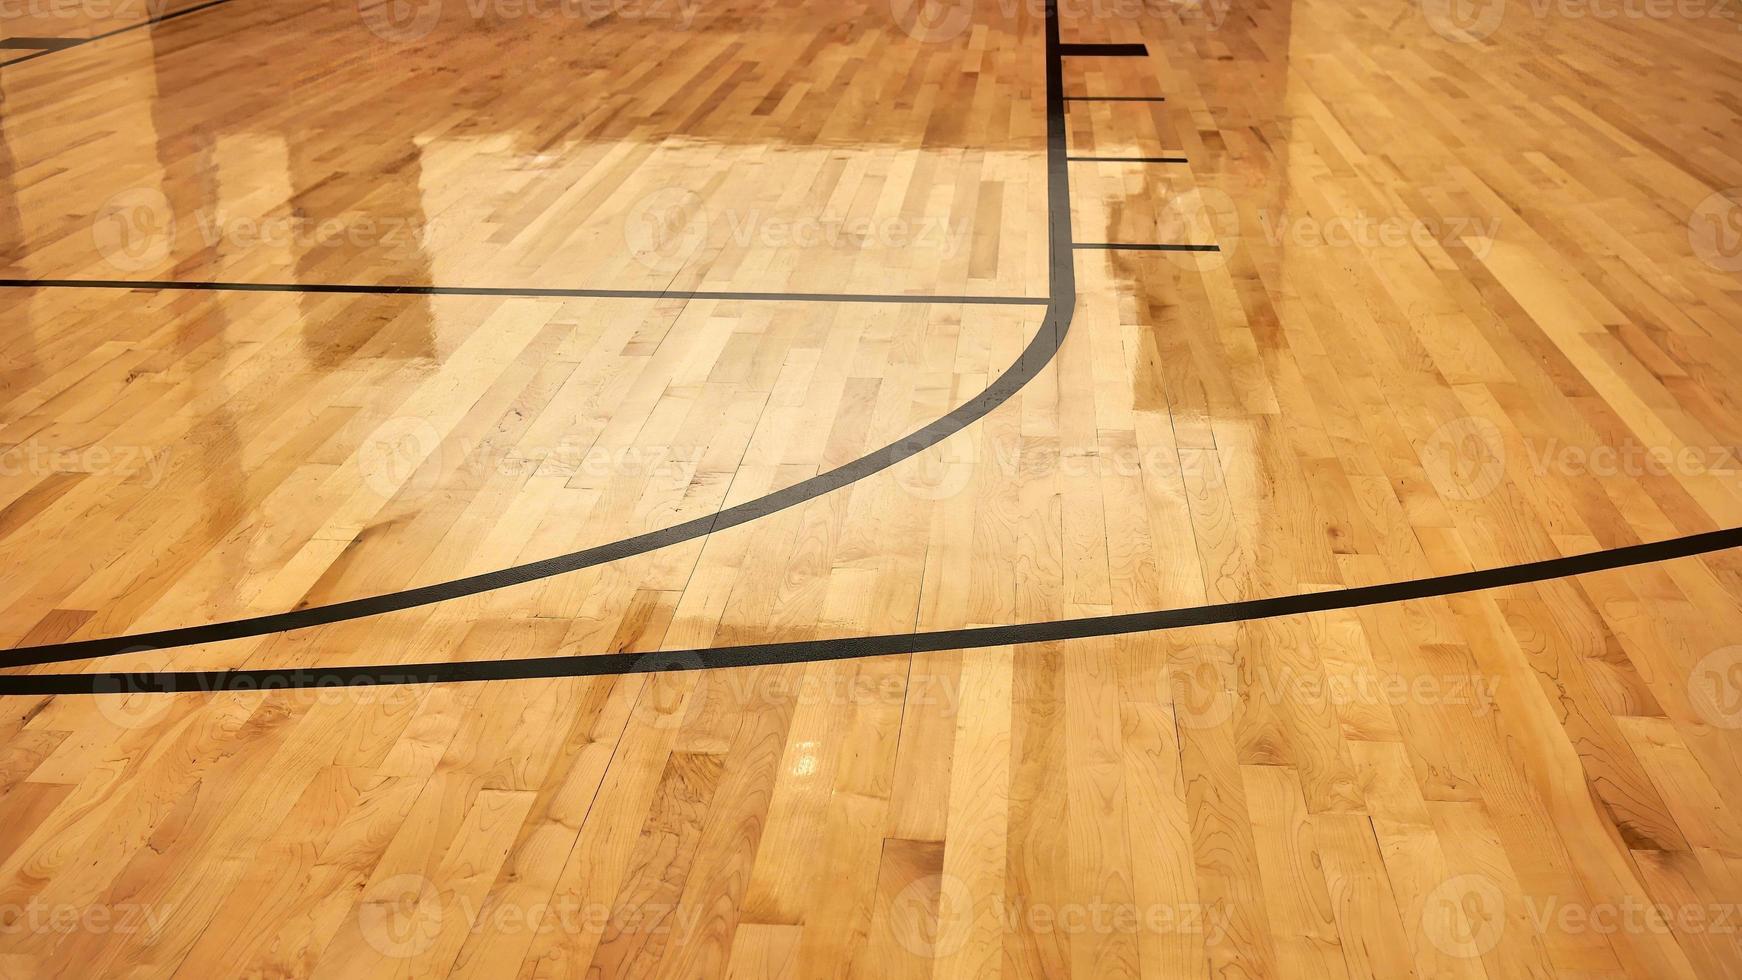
1476, 303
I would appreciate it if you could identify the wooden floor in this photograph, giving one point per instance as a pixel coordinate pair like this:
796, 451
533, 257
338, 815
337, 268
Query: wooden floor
494, 283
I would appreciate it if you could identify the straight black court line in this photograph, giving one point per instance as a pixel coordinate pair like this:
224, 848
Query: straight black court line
1115, 98
813, 651
160, 18
1137, 50
1140, 247
40, 43
1055, 325
1059, 316
530, 291
1127, 159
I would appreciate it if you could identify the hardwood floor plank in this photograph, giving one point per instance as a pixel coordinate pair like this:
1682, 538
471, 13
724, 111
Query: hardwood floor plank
1428, 289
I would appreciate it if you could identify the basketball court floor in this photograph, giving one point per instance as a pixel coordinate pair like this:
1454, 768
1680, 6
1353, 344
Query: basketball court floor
802, 488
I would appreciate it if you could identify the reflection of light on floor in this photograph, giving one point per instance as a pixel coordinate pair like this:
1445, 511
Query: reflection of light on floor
254, 203
745, 216
252, 212
806, 763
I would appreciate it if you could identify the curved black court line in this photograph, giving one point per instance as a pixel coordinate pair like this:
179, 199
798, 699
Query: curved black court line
813, 651
882, 645
524, 291
1046, 342
81, 42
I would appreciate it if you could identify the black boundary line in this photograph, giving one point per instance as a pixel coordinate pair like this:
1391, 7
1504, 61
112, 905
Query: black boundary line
529, 291
1137, 50
1059, 318
1047, 340
1140, 247
160, 18
39, 43
812, 651
1127, 160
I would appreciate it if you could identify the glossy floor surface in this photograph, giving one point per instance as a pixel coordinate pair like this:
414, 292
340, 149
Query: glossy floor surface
307, 303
